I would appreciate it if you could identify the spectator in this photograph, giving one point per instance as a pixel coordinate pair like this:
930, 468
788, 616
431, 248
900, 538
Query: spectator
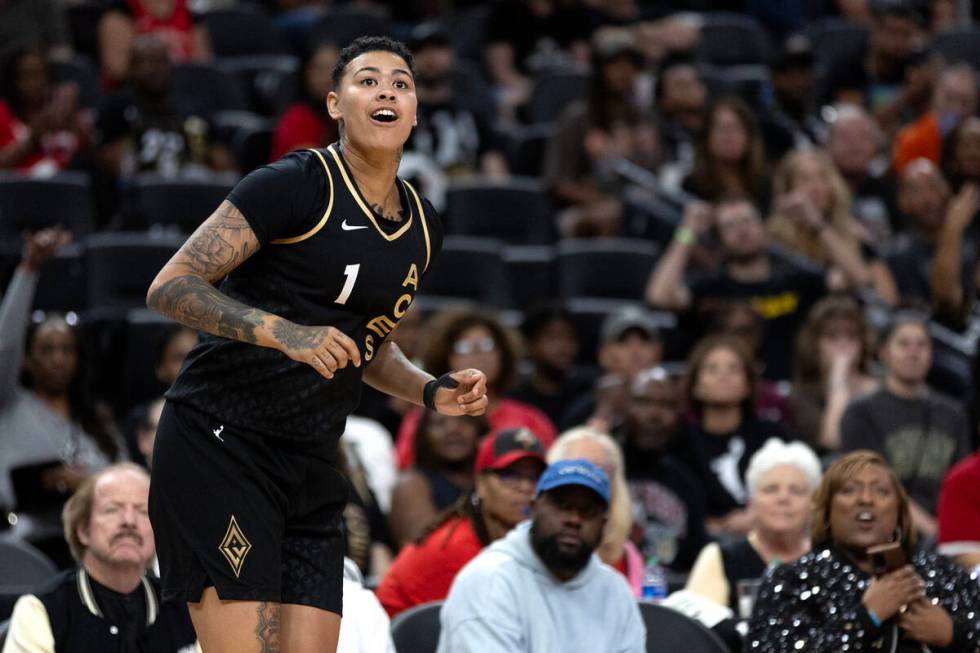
507, 469
855, 143
366, 534
371, 443
629, 343
668, 500
305, 123
146, 431
172, 20
961, 153
919, 433
953, 100
832, 366
811, 198
792, 72
934, 264
142, 128
829, 598
959, 513
594, 134
552, 383
50, 423
681, 99
730, 156
365, 627
463, 338
781, 479
445, 448
523, 36
42, 128
615, 549
455, 127
109, 602
34, 23
724, 431
175, 344
541, 588
781, 293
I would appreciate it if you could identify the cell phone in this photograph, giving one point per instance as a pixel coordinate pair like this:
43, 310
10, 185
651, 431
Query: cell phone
886, 557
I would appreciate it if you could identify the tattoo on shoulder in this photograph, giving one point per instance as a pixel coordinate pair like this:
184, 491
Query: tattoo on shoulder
267, 627
296, 336
193, 301
219, 245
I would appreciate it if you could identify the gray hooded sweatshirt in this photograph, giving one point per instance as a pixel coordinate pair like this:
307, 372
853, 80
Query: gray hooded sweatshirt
505, 601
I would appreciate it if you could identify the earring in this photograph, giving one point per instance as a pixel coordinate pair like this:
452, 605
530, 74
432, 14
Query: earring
475, 500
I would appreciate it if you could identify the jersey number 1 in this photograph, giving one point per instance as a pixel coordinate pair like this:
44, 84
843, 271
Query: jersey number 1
351, 273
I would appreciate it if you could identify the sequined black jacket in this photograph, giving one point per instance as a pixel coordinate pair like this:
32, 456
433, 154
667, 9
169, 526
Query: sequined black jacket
814, 605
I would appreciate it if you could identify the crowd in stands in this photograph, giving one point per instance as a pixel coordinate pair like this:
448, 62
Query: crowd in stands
719, 262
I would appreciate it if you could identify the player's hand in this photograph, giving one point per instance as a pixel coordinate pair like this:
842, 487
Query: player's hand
325, 349
469, 397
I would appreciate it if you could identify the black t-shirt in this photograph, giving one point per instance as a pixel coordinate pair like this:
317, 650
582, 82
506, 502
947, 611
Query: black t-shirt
719, 460
325, 259
513, 22
910, 260
851, 73
453, 135
920, 438
576, 386
668, 504
782, 301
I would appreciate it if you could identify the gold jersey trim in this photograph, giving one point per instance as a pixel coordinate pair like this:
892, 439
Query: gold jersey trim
425, 227
323, 220
357, 197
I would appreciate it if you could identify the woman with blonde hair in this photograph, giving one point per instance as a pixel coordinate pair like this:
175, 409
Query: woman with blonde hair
812, 213
615, 549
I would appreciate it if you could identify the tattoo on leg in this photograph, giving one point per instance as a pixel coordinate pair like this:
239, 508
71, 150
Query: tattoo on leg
196, 303
296, 336
267, 628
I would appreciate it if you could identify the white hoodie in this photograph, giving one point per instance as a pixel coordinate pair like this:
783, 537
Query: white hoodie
505, 601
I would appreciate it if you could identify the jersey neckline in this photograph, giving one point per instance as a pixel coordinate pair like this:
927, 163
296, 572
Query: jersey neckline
372, 217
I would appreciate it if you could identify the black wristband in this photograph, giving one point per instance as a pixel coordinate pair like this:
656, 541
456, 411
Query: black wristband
429, 391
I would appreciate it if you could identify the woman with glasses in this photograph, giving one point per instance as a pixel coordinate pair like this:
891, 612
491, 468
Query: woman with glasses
507, 468
443, 472
465, 336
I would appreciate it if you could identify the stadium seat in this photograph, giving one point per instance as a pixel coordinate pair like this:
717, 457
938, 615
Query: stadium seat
749, 82
22, 568
261, 78
553, 91
416, 630
252, 147
958, 45
175, 203
669, 631
138, 381
516, 211
30, 204
526, 147
240, 31
83, 25
61, 285
531, 272
588, 314
469, 269
122, 265
344, 24
207, 89
605, 268
729, 39
467, 31
834, 38
81, 72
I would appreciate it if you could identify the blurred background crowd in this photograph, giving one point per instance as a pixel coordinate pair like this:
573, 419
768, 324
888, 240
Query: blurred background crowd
675, 230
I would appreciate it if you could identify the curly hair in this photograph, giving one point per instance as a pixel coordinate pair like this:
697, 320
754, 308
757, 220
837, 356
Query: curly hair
806, 362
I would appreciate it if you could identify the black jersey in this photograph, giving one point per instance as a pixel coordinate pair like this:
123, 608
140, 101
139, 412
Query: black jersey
325, 259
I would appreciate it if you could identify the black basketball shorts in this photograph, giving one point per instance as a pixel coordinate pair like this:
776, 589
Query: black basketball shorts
257, 518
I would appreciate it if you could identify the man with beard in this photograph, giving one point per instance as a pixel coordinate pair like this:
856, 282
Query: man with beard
541, 588
668, 503
110, 603
780, 292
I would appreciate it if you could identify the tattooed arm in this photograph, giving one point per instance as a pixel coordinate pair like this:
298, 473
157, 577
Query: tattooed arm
184, 291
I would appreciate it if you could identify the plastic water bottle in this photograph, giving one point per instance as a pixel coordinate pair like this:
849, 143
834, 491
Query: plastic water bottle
654, 587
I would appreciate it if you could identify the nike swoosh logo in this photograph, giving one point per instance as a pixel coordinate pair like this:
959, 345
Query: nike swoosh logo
350, 227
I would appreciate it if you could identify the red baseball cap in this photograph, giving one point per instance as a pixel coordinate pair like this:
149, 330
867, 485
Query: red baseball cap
503, 448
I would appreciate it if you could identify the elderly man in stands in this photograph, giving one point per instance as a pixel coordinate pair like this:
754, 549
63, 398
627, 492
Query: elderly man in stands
542, 588
110, 603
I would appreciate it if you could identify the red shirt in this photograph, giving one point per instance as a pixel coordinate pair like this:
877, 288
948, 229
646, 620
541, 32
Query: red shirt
959, 504
176, 29
299, 127
424, 572
508, 414
54, 153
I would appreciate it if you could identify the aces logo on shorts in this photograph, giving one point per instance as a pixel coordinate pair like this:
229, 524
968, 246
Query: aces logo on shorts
235, 546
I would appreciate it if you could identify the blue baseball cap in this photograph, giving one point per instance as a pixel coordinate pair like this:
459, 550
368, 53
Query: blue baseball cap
577, 471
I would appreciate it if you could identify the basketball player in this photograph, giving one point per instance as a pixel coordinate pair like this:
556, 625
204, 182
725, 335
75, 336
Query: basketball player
316, 258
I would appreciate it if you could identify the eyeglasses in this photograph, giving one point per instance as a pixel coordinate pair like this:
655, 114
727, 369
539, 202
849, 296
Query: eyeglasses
478, 346
513, 479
